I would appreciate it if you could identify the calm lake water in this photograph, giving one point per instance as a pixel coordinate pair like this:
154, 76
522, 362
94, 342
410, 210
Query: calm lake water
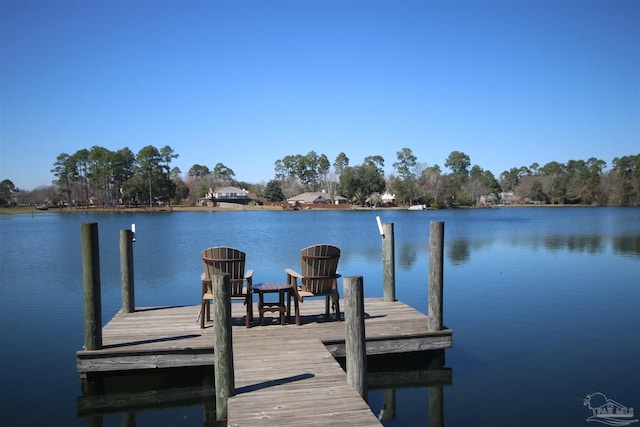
544, 302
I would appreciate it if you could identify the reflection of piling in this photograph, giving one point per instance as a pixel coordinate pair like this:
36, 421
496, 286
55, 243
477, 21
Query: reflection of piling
128, 419
91, 286
355, 344
388, 263
388, 412
93, 421
436, 406
126, 271
436, 395
222, 343
436, 274
208, 407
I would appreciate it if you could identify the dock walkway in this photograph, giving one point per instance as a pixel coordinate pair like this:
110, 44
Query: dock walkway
284, 375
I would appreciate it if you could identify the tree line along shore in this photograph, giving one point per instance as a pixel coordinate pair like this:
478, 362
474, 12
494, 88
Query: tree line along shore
100, 178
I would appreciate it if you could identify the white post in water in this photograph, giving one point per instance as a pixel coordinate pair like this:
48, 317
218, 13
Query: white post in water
388, 261
436, 274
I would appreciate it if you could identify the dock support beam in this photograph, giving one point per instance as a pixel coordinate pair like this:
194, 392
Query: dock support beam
126, 271
436, 275
91, 286
355, 343
222, 344
388, 263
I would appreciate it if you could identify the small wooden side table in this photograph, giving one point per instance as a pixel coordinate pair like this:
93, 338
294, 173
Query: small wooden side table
283, 289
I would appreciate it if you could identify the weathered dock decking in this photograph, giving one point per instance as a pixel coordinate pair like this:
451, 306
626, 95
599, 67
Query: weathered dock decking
284, 375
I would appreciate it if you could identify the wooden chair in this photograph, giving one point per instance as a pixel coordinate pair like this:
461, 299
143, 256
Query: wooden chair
318, 277
225, 260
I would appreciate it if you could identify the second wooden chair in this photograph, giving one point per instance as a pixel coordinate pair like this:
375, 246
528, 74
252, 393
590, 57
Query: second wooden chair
318, 277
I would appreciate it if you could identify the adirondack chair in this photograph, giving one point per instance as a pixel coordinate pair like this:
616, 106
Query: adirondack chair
223, 260
318, 277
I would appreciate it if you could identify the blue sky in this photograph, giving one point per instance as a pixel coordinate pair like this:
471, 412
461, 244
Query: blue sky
245, 83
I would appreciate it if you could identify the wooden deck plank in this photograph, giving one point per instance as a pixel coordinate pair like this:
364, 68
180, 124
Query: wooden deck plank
280, 371
287, 381
177, 328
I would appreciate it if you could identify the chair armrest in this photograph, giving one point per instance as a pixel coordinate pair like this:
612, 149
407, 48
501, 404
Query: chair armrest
248, 274
292, 279
206, 281
206, 284
290, 272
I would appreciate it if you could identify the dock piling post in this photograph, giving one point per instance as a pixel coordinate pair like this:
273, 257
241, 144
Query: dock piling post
91, 286
388, 263
355, 344
126, 271
436, 274
222, 343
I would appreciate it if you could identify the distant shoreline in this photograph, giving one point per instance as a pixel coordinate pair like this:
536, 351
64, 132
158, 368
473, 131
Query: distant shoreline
242, 208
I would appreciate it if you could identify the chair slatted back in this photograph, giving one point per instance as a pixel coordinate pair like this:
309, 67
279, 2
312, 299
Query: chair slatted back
319, 264
225, 260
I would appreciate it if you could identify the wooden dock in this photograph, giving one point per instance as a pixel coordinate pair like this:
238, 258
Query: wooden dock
284, 375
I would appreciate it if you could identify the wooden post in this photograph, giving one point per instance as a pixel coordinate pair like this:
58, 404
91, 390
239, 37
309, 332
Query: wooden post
222, 343
126, 271
91, 286
388, 263
436, 274
355, 344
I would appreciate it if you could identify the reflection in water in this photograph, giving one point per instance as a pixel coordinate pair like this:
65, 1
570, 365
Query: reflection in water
421, 370
459, 250
575, 243
129, 395
406, 256
627, 245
